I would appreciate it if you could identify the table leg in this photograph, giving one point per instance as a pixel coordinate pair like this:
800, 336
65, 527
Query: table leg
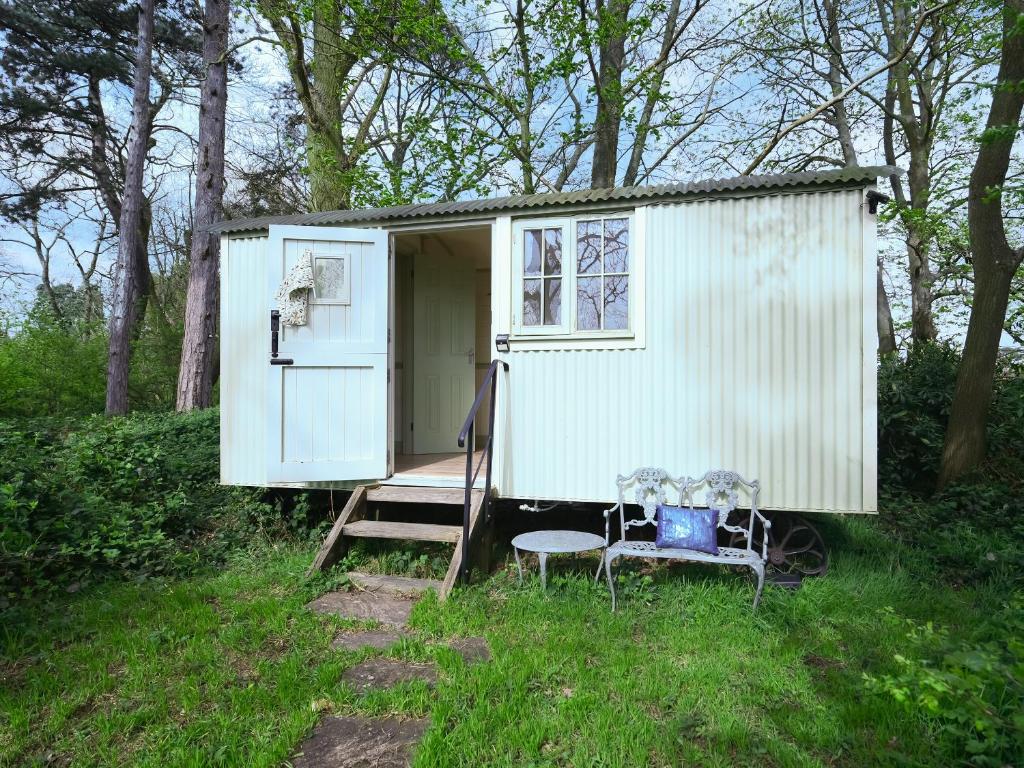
600, 563
543, 556
519, 564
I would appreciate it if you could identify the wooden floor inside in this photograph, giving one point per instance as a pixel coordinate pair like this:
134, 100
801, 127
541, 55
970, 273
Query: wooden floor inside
446, 465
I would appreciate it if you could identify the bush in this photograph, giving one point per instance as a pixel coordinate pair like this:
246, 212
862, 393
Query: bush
971, 692
138, 495
48, 368
975, 528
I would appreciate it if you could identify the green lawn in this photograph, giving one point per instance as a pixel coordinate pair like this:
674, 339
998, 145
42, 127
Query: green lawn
230, 669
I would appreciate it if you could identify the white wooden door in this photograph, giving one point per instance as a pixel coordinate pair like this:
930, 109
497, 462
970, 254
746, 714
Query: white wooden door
328, 391
444, 362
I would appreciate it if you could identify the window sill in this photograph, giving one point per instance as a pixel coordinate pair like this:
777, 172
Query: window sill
570, 341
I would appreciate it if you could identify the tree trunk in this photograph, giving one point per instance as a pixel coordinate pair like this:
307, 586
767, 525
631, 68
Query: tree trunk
124, 314
883, 315
328, 179
995, 261
922, 322
195, 374
611, 32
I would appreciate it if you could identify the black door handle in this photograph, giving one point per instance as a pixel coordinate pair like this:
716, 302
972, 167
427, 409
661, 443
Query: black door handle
275, 329
275, 325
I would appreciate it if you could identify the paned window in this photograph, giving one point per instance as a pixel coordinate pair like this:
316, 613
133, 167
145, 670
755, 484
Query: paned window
574, 277
542, 276
602, 274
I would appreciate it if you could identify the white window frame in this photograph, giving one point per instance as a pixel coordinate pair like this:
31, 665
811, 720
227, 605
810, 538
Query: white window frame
518, 241
345, 299
566, 335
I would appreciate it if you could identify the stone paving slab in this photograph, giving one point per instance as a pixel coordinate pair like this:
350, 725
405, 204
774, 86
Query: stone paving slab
395, 585
356, 742
365, 606
471, 649
368, 638
384, 673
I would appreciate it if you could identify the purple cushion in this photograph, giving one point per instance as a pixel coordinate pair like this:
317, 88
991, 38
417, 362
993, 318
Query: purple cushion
688, 528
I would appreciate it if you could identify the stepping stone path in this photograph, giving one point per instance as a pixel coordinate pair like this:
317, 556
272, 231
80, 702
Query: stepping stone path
357, 742
384, 673
471, 649
365, 606
367, 638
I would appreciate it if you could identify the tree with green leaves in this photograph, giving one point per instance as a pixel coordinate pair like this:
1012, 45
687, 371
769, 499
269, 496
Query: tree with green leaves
996, 260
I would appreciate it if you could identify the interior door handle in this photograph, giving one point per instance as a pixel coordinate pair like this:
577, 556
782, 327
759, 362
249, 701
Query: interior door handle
470, 355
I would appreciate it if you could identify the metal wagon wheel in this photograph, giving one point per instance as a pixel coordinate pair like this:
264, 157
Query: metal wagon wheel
794, 545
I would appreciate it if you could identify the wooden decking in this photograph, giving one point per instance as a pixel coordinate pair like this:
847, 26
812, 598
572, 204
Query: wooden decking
446, 465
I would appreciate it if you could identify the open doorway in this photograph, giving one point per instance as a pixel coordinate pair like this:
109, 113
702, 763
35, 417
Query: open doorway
441, 348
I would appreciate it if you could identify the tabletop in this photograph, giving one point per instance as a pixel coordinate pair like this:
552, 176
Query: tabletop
558, 541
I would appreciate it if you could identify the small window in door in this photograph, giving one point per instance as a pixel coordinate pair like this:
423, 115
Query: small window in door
332, 279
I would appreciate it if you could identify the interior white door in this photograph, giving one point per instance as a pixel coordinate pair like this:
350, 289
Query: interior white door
444, 360
328, 385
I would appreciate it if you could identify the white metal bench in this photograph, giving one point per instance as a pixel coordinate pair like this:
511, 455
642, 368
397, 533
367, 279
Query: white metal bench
651, 486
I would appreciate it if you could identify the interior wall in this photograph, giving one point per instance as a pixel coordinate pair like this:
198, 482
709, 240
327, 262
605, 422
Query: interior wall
474, 246
484, 344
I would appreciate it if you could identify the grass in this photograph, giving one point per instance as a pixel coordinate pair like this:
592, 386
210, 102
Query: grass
231, 669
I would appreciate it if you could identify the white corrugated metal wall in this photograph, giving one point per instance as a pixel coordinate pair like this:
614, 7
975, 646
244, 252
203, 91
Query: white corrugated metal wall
755, 360
244, 351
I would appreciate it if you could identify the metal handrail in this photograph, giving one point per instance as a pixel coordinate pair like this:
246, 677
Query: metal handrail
467, 440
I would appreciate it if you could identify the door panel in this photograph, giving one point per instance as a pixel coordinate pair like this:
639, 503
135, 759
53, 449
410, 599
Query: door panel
443, 354
328, 409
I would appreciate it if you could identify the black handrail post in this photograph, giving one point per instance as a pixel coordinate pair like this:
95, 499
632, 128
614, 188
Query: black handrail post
490, 447
467, 440
467, 501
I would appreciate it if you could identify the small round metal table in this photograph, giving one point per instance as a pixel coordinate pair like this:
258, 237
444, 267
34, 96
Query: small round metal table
546, 543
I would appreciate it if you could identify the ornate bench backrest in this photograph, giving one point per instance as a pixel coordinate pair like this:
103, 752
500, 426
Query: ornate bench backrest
721, 489
648, 487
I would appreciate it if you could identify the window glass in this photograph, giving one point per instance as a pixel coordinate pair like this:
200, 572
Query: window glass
616, 245
616, 302
553, 252
542, 282
588, 247
531, 251
602, 275
531, 302
330, 281
553, 302
588, 303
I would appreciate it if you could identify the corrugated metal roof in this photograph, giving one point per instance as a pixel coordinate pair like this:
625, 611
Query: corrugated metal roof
513, 203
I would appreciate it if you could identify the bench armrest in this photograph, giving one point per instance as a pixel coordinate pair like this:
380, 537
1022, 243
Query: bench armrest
608, 525
764, 539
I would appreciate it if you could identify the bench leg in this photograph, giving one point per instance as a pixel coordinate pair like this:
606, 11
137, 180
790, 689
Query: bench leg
759, 571
608, 573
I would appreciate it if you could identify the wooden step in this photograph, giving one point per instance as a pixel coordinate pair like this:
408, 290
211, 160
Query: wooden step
412, 531
412, 494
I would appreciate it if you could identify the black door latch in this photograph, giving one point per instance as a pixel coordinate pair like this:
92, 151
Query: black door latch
275, 329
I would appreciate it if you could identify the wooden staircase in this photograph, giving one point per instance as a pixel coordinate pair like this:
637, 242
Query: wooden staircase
354, 522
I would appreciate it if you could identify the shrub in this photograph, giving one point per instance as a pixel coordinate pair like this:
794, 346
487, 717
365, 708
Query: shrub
49, 368
969, 691
975, 528
137, 495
